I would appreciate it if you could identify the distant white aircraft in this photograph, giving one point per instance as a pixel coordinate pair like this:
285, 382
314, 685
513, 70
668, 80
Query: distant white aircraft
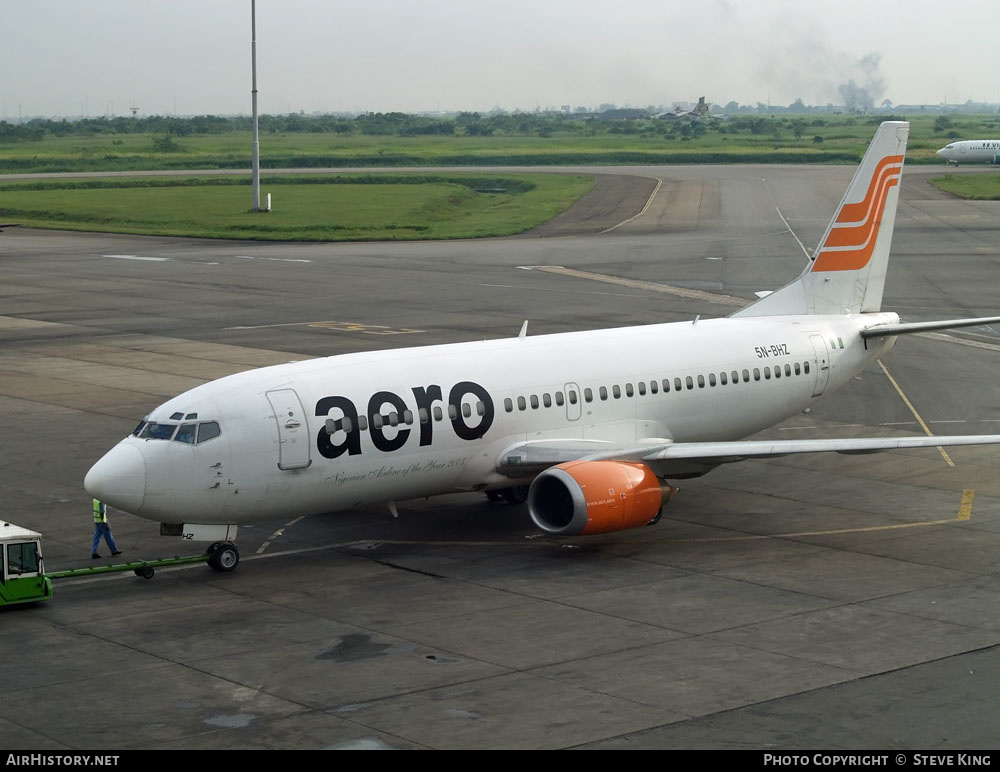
972, 151
595, 423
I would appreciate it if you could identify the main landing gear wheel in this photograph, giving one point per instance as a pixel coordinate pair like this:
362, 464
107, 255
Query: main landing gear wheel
516, 495
223, 556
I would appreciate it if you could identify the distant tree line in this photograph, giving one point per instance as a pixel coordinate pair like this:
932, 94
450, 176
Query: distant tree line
376, 124
472, 124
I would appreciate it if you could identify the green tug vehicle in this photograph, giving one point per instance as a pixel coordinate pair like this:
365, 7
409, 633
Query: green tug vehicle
23, 578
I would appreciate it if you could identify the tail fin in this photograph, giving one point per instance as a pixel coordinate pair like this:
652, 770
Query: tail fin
847, 272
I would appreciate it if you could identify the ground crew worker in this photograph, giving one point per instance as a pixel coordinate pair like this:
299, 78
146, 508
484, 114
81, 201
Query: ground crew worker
102, 529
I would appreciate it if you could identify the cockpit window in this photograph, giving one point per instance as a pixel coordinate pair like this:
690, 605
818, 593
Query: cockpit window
186, 433
208, 431
189, 433
157, 431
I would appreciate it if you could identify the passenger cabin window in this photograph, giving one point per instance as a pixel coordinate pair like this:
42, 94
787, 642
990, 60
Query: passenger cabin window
652, 387
546, 399
604, 392
560, 400
628, 390
534, 401
616, 391
335, 425
588, 394
508, 405
642, 388
521, 404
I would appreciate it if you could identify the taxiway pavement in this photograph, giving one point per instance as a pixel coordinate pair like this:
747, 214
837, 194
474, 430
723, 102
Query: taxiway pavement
827, 602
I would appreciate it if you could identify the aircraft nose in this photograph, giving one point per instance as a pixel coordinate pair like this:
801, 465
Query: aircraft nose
119, 478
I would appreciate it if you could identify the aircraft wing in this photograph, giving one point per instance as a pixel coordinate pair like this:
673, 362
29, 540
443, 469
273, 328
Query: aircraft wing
532, 457
722, 452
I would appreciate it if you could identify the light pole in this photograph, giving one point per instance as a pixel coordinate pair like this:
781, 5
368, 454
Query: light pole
255, 153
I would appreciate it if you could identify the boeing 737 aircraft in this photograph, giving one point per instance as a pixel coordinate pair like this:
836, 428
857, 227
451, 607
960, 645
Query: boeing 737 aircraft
972, 151
596, 423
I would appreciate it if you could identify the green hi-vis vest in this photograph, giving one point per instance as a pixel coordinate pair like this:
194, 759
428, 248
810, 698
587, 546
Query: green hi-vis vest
100, 512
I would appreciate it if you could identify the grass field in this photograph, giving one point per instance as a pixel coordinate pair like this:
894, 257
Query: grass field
304, 208
983, 187
418, 206
829, 139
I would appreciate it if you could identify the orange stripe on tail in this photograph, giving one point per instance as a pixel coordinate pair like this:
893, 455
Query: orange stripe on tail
848, 248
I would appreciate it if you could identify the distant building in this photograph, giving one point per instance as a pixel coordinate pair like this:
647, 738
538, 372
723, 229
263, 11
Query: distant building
698, 112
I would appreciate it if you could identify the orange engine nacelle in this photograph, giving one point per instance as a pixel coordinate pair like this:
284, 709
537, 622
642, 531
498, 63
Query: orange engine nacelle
596, 497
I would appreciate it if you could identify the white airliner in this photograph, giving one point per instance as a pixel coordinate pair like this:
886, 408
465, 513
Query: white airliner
972, 151
595, 422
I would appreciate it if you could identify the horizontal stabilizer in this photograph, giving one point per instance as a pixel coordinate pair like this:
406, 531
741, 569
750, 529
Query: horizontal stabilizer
945, 324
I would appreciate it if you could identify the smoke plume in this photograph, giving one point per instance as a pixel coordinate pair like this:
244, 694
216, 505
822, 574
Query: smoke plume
863, 96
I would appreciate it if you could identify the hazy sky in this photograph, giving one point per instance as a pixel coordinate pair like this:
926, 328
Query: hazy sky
70, 57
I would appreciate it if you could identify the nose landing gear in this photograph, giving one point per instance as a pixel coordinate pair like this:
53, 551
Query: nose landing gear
223, 556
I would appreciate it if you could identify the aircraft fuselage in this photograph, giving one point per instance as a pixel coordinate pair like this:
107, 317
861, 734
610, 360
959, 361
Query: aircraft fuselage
331, 434
972, 151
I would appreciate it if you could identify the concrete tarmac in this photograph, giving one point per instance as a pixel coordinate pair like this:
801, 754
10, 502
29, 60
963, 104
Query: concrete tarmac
825, 602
